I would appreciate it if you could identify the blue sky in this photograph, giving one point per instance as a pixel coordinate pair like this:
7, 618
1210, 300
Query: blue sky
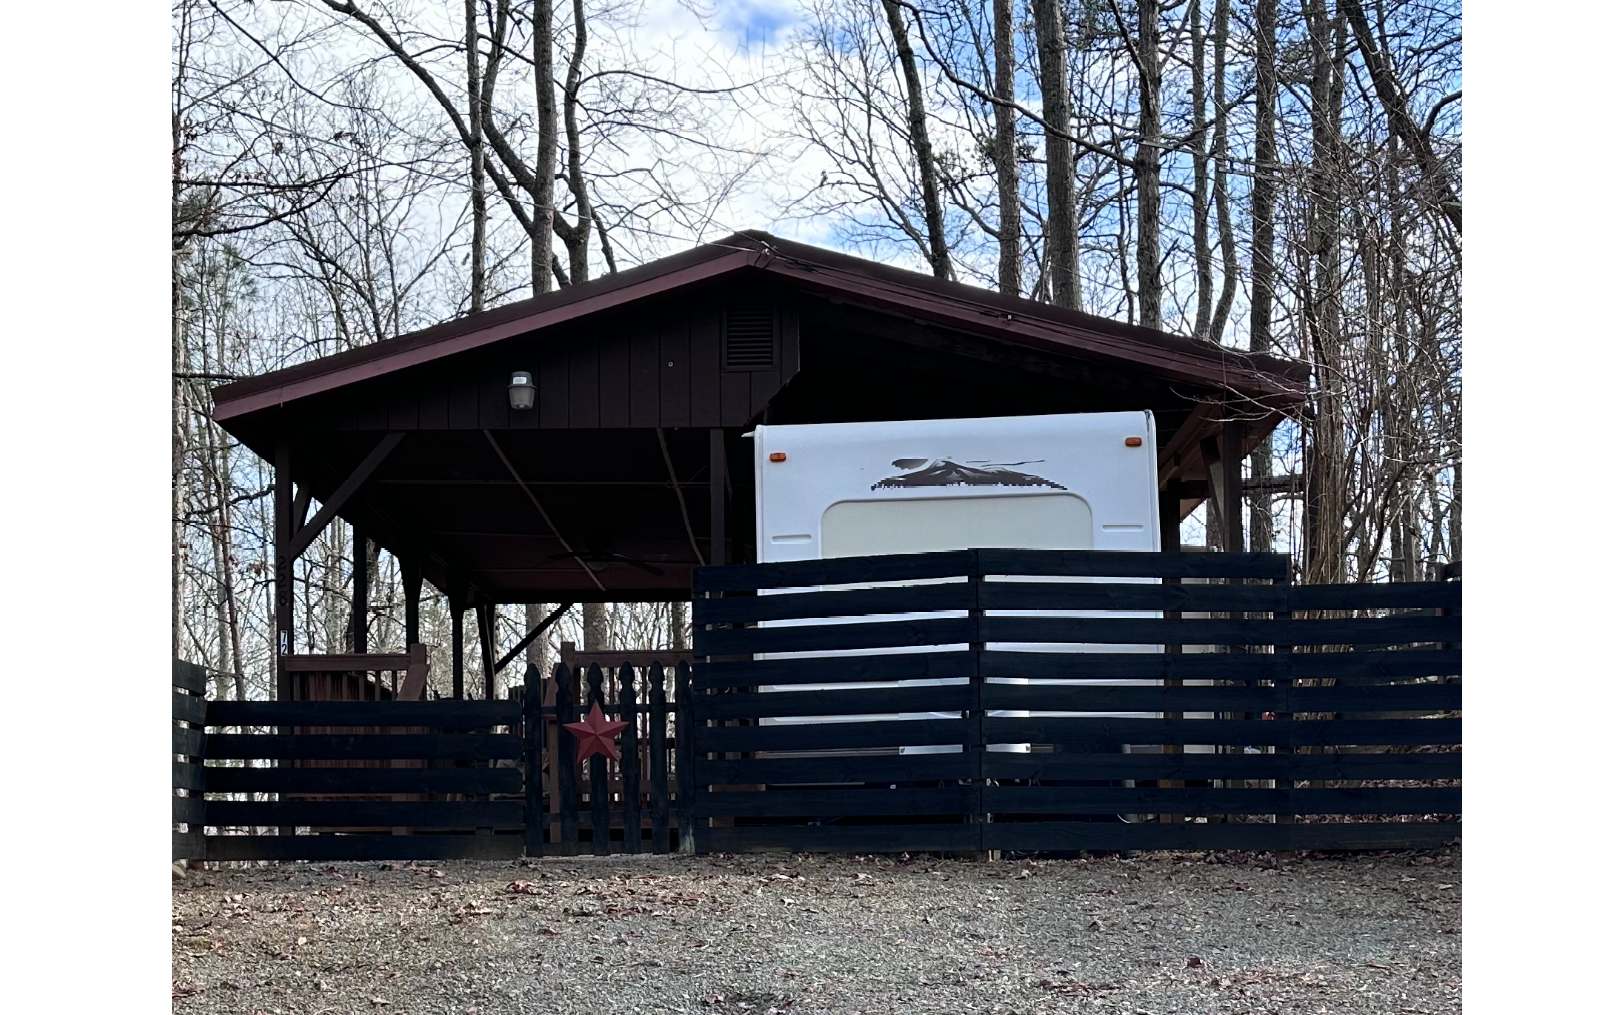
756, 22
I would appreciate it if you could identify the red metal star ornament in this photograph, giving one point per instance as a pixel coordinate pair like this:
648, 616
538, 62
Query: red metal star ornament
596, 734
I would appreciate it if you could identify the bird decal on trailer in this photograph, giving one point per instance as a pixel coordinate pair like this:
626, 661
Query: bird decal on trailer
919, 472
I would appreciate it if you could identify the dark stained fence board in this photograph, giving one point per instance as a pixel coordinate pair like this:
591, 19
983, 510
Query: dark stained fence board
1395, 664
836, 803
1129, 631
598, 772
189, 742
234, 779
838, 571
836, 769
856, 701
846, 735
449, 715
909, 666
188, 708
367, 813
631, 768
363, 847
186, 810
912, 838
1096, 698
191, 677
1234, 732
1128, 564
363, 746
659, 772
568, 767
849, 603
1376, 596
1124, 800
188, 776
1116, 835
1007, 595
186, 845
1336, 766
836, 637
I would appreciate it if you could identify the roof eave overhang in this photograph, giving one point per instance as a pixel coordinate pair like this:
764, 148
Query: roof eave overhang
1277, 385
242, 398
1283, 385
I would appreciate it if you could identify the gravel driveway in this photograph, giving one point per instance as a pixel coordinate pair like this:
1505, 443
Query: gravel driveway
793, 934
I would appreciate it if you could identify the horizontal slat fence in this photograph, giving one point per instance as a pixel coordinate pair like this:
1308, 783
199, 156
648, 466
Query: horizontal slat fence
441, 780
408, 780
1094, 700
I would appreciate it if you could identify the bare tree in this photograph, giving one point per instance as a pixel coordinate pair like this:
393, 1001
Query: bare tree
919, 135
1009, 208
1061, 228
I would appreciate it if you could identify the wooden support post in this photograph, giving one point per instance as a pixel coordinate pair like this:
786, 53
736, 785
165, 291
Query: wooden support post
411, 572
1229, 466
718, 497
485, 618
458, 607
361, 581
283, 549
282, 508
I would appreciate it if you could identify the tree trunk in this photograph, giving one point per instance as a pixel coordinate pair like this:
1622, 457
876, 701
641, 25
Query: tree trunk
1325, 478
577, 238
594, 627
1147, 169
1220, 183
476, 160
1202, 166
678, 633
1009, 198
1399, 120
919, 136
1059, 170
541, 222
1265, 165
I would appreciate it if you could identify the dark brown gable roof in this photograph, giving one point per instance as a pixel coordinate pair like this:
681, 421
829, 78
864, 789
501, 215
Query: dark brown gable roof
853, 279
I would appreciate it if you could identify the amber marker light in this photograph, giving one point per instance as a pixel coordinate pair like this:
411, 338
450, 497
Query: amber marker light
777, 456
1133, 442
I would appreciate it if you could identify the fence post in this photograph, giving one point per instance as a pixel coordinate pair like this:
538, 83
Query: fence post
976, 728
535, 720
569, 794
598, 771
1286, 687
659, 789
189, 709
631, 764
685, 758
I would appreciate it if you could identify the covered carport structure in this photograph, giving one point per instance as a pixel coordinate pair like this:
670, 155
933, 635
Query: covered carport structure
627, 467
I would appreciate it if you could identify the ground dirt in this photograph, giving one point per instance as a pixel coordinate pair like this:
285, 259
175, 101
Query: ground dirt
1155, 933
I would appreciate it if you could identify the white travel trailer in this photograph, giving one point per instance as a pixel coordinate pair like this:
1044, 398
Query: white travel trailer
1059, 482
